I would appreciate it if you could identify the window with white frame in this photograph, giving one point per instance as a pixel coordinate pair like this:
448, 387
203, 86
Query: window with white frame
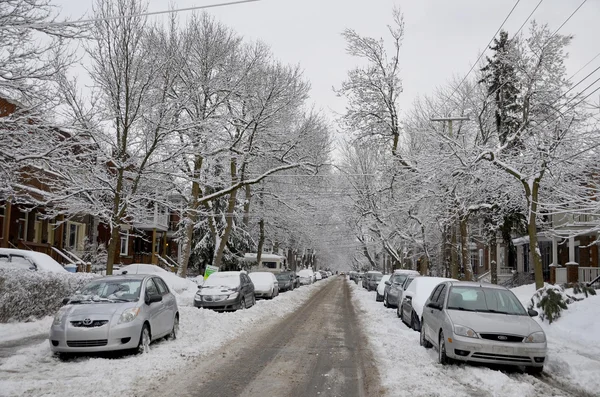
74, 235
124, 243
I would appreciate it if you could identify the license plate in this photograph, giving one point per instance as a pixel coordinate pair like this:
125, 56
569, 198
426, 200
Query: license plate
503, 350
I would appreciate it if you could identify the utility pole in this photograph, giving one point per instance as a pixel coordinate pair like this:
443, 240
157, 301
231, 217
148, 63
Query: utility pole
454, 267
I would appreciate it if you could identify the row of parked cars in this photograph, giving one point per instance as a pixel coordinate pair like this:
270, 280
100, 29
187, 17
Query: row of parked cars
129, 310
464, 321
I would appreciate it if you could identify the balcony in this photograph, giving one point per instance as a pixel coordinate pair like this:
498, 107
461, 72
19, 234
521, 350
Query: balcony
574, 221
156, 218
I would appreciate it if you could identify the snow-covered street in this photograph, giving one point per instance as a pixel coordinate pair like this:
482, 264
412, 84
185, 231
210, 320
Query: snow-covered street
34, 371
407, 369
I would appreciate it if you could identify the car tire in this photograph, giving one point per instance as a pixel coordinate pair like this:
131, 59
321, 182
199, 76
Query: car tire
398, 312
243, 304
64, 356
534, 370
414, 322
175, 331
385, 300
442, 357
377, 297
422, 340
145, 339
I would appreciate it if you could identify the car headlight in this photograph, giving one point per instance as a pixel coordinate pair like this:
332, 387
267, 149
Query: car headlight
59, 315
234, 295
129, 315
536, 337
461, 330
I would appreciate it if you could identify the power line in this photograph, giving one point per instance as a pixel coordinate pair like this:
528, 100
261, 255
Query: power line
569, 18
530, 15
481, 55
144, 14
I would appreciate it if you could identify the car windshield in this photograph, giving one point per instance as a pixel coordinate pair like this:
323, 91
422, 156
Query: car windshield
222, 280
481, 299
377, 277
109, 291
399, 278
282, 277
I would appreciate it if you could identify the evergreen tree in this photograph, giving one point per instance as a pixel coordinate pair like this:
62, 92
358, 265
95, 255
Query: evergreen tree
500, 77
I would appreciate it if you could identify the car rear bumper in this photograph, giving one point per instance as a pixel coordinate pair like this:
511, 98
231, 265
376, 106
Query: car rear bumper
502, 353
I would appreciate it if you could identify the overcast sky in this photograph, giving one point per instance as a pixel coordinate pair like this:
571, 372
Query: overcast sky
443, 38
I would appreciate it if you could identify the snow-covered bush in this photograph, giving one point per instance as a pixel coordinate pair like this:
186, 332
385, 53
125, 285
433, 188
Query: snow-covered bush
26, 295
553, 299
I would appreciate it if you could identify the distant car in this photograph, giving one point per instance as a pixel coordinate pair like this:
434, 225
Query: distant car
367, 277
485, 323
306, 276
226, 291
410, 309
140, 268
115, 313
286, 280
318, 276
381, 287
394, 287
372, 281
29, 260
265, 284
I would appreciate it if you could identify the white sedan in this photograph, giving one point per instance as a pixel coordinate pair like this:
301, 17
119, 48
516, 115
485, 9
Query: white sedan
265, 284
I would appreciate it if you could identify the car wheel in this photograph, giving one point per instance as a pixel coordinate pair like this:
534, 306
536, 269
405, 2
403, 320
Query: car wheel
534, 370
422, 340
145, 338
175, 331
377, 297
398, 312
243, 304
414, 322
385, 300
442, 357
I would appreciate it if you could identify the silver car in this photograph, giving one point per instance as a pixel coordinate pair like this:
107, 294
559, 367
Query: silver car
485, 323
394, 287
116, 313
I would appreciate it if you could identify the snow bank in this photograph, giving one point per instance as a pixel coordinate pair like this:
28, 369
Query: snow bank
573, 340
26, 294
13, 331
202, 332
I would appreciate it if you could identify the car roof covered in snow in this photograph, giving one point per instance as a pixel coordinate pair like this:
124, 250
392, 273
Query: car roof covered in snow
44, 262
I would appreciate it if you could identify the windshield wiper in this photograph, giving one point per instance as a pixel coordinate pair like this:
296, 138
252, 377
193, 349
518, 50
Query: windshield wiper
498, 311
463, 309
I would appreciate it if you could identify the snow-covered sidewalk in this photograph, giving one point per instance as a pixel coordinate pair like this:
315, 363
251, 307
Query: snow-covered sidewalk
34, 371
14, 331
407, 369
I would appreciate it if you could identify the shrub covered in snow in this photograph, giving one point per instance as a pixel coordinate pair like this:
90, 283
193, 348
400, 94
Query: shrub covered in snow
26, 295
553, 299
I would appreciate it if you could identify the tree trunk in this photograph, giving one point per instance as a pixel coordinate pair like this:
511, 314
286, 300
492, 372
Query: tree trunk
464, 248
248, 189
222, 243
453, 254
534, 251
493, 263
115, 228
191, 219
261, 240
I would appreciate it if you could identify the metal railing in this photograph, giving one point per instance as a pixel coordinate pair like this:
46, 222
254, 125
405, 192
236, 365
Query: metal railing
587, 274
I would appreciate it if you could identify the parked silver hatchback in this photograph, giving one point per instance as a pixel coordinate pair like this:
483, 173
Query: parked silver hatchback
486, 323
116, 313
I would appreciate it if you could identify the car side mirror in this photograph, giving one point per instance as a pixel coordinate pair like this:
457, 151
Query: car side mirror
66, 300
434, 305
532, 313
153, 298
199, 287
388, 283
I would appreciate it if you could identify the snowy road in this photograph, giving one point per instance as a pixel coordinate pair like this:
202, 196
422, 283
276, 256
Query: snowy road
318, 350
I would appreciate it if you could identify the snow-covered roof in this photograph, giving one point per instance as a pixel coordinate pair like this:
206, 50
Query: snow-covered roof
251, 257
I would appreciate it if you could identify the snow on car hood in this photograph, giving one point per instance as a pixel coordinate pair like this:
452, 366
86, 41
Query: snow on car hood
217, 290
495, 323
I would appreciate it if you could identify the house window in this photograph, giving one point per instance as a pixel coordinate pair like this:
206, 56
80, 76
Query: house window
74, 235
474, 260
51, 227
481, 258
22, 225
124, 243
